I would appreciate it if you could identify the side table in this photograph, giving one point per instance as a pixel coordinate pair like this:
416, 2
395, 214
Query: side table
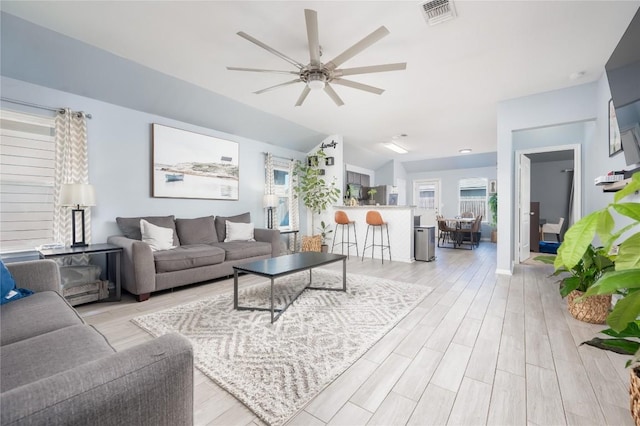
112, 253
295, 237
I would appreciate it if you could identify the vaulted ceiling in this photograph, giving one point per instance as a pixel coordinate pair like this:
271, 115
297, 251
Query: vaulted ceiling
444, 101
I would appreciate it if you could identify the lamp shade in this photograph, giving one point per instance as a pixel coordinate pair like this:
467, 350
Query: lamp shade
270, 200
77, 194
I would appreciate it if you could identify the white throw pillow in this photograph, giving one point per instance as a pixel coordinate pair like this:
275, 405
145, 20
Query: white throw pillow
157, 237
237, 231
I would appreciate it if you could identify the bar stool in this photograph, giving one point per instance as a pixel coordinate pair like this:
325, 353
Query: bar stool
342, 220
374, 219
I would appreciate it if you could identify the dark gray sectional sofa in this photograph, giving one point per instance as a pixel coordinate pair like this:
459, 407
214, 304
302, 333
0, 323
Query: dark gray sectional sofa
57, 370
200, 253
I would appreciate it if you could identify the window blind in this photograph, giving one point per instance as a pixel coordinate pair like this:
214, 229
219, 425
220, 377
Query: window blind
27, 164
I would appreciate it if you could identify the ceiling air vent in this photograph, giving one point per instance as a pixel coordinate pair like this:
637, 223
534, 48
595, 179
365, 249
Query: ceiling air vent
437, 11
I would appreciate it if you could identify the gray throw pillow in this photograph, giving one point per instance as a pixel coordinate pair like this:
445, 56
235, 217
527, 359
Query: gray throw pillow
201, 230
130, 226
221, 225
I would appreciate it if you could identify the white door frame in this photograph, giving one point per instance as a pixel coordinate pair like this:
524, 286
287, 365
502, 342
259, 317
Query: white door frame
577, 186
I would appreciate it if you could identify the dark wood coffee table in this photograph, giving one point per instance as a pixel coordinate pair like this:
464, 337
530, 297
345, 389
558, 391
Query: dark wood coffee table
285, 265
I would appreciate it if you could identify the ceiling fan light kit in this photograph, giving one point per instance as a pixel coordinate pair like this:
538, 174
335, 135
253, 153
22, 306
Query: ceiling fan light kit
318, 76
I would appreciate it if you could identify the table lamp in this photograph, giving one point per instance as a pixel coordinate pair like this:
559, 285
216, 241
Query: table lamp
77, 195
270, 201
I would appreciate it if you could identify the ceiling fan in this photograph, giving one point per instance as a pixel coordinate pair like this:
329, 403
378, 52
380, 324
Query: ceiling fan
317, 75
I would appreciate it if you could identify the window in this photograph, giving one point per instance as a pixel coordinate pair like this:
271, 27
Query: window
281, 181
426, 195
27, 161
473, 197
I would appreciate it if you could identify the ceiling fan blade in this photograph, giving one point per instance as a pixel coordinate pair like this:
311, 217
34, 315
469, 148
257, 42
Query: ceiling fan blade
303, 95
311, 16
261, 70
333, 95
270, 49
297, 80
356, 85
371, 69
357, 48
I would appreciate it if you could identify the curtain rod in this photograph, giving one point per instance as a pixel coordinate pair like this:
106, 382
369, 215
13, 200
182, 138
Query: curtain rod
32, 105
277, 156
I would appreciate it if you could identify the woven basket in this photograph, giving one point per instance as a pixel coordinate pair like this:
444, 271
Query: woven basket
634, 395
593, 309
312, 243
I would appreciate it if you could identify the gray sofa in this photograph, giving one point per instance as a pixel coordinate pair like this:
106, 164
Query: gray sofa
200, 253
58, 370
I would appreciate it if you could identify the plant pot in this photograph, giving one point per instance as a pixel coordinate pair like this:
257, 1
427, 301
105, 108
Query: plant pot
634, 395
494, 236
324, 248
371, 202
593, 309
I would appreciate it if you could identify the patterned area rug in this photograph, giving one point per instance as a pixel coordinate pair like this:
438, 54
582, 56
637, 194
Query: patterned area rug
275, 369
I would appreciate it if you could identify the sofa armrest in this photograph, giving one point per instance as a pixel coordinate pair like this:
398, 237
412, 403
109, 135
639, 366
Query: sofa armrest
150, 384
36, 275
138, 265
269, 236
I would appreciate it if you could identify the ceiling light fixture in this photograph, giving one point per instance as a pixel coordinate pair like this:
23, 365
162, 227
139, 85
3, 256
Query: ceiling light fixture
316, 81
464, 150
577, 75
395, 148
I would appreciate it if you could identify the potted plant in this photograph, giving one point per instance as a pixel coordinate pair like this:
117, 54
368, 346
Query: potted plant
372, 192
315, 192
325, 230
617, 227
493, 207
583, 275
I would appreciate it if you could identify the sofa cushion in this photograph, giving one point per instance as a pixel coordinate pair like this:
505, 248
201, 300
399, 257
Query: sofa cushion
35, 315
187, 257
42, 356
239, 232
201, 230
237, 250
130, 226
221, 223
157, 237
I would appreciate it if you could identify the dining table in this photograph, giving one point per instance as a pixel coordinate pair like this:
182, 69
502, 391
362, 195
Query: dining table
458, 222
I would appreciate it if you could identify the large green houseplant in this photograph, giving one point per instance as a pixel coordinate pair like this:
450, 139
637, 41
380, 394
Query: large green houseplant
316, 193
618, 228
493, 208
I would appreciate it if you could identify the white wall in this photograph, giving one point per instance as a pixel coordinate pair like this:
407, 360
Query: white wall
587, 102
120, 146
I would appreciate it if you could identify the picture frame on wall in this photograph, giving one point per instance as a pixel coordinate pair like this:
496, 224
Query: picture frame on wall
191, 165
493, 186
615, 141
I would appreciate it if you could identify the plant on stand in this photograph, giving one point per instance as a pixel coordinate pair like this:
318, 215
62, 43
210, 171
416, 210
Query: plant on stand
371, 193
493, 207
325, 230
617, 227
315, 192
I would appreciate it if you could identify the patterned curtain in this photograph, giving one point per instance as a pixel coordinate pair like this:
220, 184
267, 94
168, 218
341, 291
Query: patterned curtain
294, 205
269, 188
72, 166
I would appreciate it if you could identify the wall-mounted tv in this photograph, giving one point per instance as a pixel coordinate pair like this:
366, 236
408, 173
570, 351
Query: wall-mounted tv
623, 73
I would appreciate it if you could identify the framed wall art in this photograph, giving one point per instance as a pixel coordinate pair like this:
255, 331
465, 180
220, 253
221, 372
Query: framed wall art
615, 142
191, 165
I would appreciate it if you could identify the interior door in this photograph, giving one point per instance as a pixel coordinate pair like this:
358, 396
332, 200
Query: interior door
525, 207
426, 197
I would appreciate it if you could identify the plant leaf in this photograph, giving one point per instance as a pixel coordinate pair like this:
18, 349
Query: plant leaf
546, 259
632, 330
612, 281
631, 210
620, 346
605, 225
568, 285
631, 188
578, 238
629, 253
626, 311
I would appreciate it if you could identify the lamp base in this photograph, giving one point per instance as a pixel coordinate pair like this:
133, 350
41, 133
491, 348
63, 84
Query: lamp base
74, 241
80, 244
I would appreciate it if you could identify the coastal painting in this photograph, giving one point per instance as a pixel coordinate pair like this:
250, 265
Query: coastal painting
191, 165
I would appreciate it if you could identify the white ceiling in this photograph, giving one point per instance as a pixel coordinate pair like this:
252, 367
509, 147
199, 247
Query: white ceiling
446, 99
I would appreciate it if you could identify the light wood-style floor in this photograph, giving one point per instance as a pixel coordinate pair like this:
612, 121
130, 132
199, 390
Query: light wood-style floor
480, 349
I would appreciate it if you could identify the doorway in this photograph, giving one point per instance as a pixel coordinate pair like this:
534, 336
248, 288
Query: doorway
564, 170
426, 197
